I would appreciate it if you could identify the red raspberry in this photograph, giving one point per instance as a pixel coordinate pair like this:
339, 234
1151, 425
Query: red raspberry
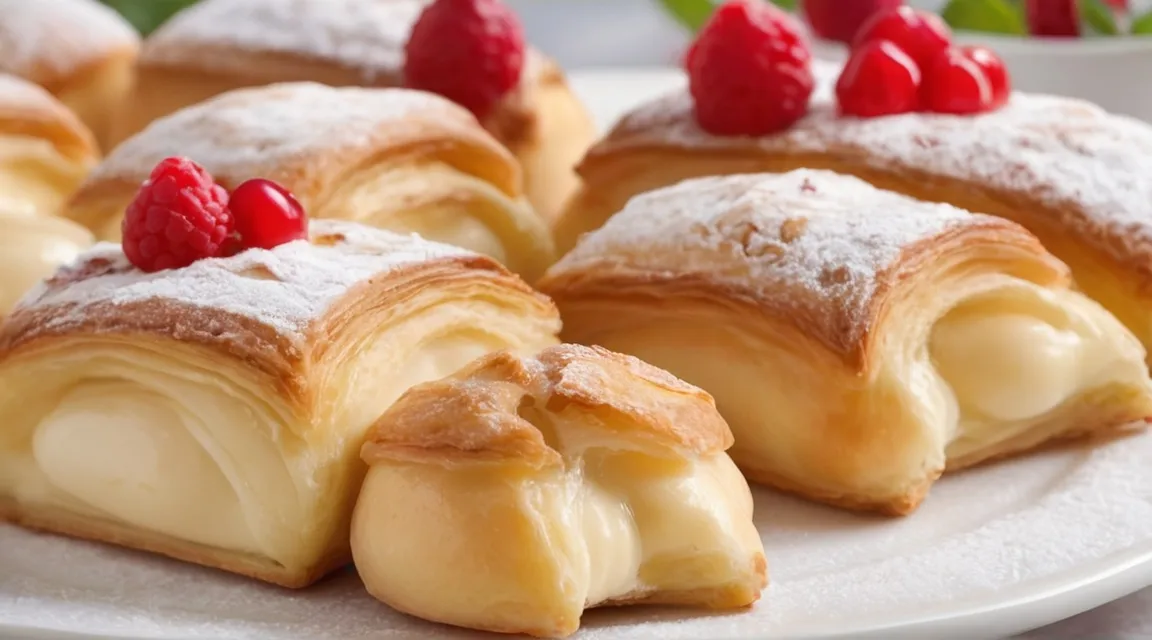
469, 51
178, 216
878, 80
1056, 18
750, 70
839, 20
267, 215
920, 34
994, 70
955, 83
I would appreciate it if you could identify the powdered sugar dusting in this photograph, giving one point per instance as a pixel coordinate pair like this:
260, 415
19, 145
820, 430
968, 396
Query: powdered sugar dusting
285, 288
43, 40
264, 131
1090, 167
814, 239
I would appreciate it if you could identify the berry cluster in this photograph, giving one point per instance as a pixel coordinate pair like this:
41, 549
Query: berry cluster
180, 215
903, 60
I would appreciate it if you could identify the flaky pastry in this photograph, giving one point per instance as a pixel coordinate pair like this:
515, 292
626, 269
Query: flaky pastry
859, 342
215, 413
32, 247
1071, 173
392, 158
220, 45
516, 493
82, 51
45, 152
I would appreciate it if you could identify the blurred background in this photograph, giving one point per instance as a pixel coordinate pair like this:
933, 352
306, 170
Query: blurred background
1107, 58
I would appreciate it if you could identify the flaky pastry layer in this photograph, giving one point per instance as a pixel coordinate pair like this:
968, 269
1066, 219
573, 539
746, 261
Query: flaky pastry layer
858, 341
1071, 173
392, 158
214, 413
32, 247
520, 491
221, 45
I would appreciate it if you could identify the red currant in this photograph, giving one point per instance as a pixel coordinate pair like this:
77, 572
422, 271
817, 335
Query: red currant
920, 34
1054, 18
955, 83
267, 215
994, 70
839, 20
878, 80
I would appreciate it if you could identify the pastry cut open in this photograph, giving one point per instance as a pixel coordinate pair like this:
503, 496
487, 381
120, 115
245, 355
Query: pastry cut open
214, 413
859, 342
396, 159
519, 491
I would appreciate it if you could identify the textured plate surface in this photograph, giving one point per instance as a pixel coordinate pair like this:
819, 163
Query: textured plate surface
993, 552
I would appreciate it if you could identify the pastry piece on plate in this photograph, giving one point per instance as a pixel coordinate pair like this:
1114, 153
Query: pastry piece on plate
1073, 174
393, 158
214, 413
520, 491
82, 51
45, 151
220, 45
31, 249
859, 342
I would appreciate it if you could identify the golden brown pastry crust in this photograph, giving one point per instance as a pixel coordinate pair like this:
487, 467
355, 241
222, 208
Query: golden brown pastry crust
1066, 170
28, 110
222, 45
823, 267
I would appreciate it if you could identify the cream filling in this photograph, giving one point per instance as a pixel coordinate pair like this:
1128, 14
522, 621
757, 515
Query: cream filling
34, 177
31, 249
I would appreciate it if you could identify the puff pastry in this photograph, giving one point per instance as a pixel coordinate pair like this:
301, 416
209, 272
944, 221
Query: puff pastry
859, 342
45, 152
510, 496
81, 51
31, 249
214, 413
392, 158
1071, 173
220, 45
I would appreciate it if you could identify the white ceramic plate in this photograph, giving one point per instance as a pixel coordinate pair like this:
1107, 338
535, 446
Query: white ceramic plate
993, 552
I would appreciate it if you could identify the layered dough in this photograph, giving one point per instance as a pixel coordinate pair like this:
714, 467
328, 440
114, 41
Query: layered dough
45, 151
391, 158
858, 342
1072, 174
82, 51
221, 45
215, 413
520, 491
31, 248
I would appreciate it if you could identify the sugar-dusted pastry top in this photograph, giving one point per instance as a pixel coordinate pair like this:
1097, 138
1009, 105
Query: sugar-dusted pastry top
473, 415
48, 41
27, 109
301, 134
816, 247
1088, 166
267, 302
223, 35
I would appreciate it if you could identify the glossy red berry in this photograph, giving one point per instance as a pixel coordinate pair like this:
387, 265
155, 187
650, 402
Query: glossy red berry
1053, 18
179, 215
994, 70
955, 83
920, 34
267, 215
469, 51
749, 71
839, 20
878, 80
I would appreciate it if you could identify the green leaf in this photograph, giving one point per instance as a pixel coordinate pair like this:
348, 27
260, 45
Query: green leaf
1098, 16
989, 16
787, 5
690, 13
146, 15
1142, 26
